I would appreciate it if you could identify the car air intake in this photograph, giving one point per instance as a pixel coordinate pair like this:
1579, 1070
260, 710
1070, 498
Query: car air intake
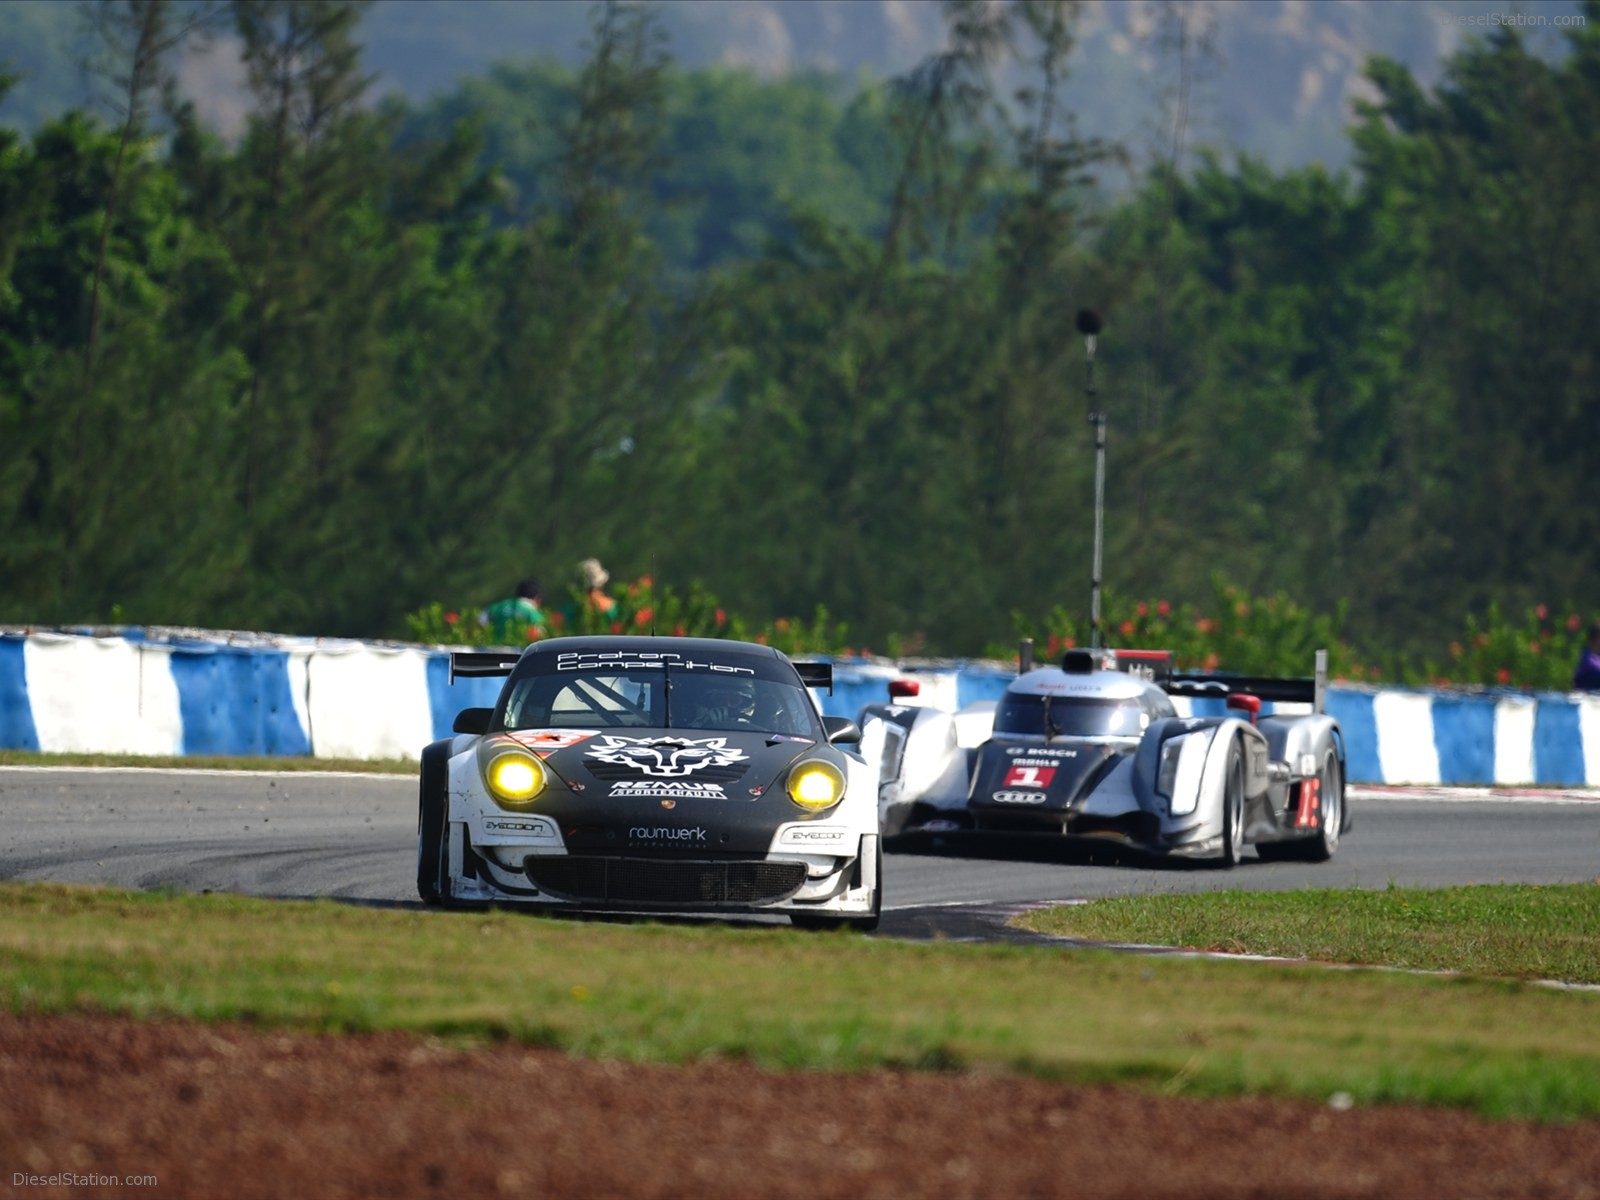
607, 772
644, 881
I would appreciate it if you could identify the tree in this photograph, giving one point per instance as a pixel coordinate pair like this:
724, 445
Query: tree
136, 38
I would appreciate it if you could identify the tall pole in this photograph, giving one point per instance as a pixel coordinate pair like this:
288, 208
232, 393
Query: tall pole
1089, 325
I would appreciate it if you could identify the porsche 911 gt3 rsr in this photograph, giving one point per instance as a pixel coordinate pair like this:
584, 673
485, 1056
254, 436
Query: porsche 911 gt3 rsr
641, 774
1088, 750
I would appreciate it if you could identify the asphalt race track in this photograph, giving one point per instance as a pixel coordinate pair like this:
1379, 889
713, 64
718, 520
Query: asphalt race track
353, 838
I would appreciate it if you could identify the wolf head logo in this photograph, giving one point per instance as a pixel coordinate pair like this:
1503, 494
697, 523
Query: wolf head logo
666, 757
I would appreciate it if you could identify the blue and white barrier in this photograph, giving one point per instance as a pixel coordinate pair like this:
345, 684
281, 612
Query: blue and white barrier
141, 692
186, 696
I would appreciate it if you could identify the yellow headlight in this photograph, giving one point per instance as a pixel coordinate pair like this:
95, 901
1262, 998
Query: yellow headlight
816, 785
514, 778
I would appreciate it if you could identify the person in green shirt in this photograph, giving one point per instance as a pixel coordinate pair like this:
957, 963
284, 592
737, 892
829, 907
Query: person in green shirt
518, 619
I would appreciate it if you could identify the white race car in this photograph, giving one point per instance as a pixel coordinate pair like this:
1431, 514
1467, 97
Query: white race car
1090, 751
641, 774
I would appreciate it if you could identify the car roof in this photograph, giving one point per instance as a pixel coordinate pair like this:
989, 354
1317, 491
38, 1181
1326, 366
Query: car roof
641, 644
1098, 685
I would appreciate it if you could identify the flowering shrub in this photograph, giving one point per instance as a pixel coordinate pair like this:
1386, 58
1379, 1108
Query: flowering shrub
1270, 636
1537, 653
643, 607
436, 625
1275, 636
1236, 632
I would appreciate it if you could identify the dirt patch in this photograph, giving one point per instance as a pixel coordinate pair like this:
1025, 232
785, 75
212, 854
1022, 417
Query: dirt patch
217, 1111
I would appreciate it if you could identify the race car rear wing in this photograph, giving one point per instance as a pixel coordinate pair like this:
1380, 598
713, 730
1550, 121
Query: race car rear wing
816, 674
1311, 691
1156, 666
470, 664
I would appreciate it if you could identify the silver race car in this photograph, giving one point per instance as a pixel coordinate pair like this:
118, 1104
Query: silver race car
1096, 749
641, 774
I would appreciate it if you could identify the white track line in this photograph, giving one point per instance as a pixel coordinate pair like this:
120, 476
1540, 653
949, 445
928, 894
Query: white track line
1436, 794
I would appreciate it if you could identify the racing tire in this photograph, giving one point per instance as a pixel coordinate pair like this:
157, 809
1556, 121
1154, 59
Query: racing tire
867, 924
1322, 845
1232, 812
1330, 803
433, 827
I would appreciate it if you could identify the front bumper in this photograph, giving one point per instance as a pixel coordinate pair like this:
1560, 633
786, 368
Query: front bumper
1141, 831
777, 883
715, 856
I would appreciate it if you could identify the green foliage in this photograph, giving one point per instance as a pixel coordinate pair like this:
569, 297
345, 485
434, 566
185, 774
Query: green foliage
642, 607
811, 350
1538, 652
1274, 635
1270, 635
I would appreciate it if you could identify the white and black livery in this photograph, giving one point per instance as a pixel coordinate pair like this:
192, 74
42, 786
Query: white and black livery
651, 775
1096, 749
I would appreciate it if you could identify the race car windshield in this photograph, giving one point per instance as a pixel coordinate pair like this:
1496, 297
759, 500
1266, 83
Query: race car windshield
1068, 716
649, 697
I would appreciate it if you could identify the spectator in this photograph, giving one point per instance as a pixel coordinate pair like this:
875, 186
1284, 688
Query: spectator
1586, 675
517, 619
594, 578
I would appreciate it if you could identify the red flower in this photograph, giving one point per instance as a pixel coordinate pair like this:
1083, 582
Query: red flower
534, 633
1541, 612
1127, 628
451, 618
1503, 675
556, 620
642, 617
1533, 646
1070, 642
1143, 609
721, 617
761, 639
616, 627
1164, 609
679, 631
1204, 625
646, 581
1573, 622
1242, 609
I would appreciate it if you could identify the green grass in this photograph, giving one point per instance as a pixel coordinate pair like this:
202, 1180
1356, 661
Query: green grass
1517, 931
674, 993
384, 766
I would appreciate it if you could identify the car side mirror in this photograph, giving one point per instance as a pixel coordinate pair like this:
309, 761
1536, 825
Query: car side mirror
841, 730
472, 720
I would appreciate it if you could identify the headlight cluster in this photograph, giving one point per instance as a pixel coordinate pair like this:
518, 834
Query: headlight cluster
815, 785
1183, 758
513, 775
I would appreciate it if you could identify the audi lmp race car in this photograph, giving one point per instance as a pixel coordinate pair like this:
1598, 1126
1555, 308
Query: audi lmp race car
1096, 748
641, 774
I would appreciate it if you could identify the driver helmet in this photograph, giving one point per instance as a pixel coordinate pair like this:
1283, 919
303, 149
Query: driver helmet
722, 703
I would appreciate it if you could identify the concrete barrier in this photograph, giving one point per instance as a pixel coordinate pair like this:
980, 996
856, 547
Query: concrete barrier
155, 692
